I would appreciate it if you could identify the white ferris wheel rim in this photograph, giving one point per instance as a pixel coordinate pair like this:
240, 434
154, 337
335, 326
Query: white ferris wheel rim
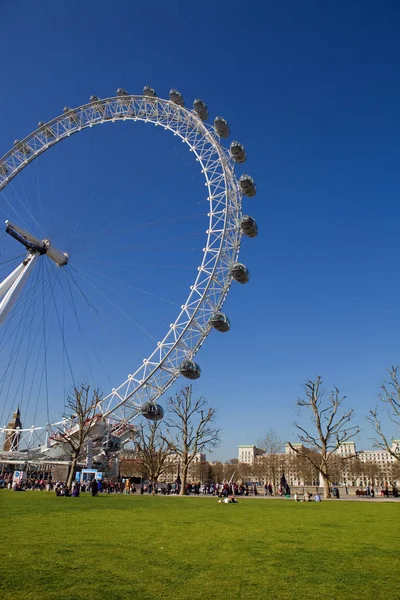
208, 293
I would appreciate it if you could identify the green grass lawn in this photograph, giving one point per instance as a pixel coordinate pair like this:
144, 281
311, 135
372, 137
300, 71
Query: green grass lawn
117, 547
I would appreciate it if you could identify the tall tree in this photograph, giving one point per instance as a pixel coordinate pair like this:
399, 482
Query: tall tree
272, 464
77, 427
217, 472
329, 429
390, 399
271, 442
373, 473
355, 469
245, 472
189, 429
152, 450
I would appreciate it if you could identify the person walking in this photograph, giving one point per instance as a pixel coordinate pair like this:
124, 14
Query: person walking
94, 487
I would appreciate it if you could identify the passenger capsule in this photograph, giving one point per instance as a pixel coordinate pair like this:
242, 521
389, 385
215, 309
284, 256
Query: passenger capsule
249, 226
247, 185
149, 92
190, 369
152, 411
48, 132
71, 114
201, 109
3, 170
24, 148
221, 127
220, 322
99, 106
122, 92
240, 273
176, 97
238, 152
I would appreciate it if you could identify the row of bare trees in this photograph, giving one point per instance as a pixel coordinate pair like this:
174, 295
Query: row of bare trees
329, 426
189, 430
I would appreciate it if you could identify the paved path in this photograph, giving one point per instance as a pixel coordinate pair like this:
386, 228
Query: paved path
291, 499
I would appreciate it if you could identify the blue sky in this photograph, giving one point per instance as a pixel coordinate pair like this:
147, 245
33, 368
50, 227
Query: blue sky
313, 93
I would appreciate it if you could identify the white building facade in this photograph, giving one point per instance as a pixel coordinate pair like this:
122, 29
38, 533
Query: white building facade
357, 468
248, 454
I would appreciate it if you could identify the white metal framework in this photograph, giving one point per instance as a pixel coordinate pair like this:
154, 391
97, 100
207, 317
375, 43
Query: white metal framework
208, 292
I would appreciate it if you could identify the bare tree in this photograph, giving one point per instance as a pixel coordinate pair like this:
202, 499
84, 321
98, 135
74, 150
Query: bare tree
259, 470
201, 471
373, 473
390, 398
355, 469
77, 427
152, 451
272, 463
189, 429
329, 429
245, 472
217, 472
270, 467
271, 442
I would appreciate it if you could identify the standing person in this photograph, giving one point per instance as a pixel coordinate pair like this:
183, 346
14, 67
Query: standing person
94, 487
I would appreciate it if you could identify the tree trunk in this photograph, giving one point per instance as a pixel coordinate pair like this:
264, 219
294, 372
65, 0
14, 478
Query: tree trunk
182, 491
72, 472
327, 489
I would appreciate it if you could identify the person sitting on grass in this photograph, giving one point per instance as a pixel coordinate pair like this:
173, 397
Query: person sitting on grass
228, 500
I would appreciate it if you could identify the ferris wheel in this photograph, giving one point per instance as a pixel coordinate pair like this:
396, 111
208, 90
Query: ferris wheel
201, 311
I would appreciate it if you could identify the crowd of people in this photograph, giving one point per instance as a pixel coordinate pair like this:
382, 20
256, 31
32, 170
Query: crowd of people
128, 486
44, 482
30, 483
370, 492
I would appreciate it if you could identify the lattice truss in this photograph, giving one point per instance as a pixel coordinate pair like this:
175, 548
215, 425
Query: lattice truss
208, 293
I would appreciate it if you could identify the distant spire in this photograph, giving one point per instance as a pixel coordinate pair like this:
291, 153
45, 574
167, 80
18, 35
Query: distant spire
16, 420
12, 440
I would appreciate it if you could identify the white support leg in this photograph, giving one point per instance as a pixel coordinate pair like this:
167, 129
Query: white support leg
14, 289
8, 281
